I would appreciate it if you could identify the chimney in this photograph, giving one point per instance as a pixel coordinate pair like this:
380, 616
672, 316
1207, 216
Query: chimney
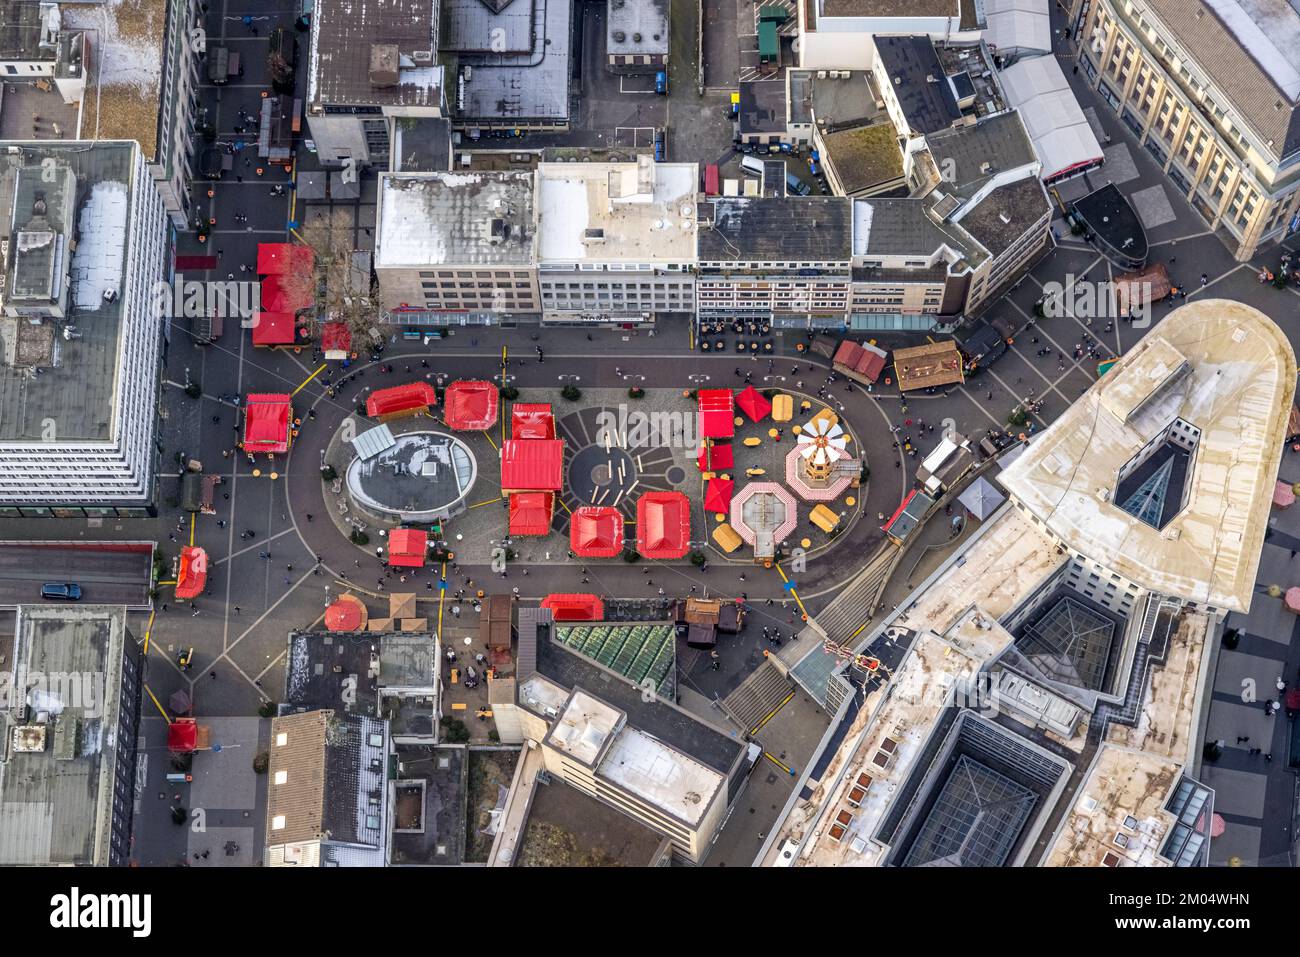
383, 65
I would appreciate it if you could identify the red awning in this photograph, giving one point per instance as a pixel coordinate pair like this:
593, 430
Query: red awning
899, 511
575, 607
532, 464
663, 521
717, 413
274, 259
407, 547
530, 513
183, 736
865, 360
274, 329
470, 406
719, 456
532, 420
267, 420
346, 613
596, 532
401, 398
193, 574
753, 404
717, 497
335, 340
289, 293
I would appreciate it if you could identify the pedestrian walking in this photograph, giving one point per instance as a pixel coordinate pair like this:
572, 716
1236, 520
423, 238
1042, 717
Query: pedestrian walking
237, 609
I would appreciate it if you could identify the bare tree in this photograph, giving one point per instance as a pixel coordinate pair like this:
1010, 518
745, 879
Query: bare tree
341, 282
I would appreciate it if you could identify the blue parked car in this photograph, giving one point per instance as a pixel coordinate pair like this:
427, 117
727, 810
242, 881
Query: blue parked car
660, 147
56, 591
661, 82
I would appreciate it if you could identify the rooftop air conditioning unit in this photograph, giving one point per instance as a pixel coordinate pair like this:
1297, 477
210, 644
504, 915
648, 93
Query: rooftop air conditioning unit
422, 56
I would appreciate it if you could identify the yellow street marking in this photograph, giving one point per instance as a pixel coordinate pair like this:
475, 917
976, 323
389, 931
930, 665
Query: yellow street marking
777, 763
486, 502
771, 714
157, 705
308, 379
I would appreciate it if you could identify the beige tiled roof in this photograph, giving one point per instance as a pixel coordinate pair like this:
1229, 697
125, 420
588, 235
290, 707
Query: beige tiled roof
301, 798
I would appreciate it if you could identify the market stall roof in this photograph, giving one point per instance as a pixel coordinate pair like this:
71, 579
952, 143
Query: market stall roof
981, 498
1283, 494
470, 405
532, 420
663, 522
596, 532
532, 464
407, 547
267, 420
274, 329
286, 294
864, 360
575, 607
718, 456
753, 404
335, 340
717, 412
193, 573
346, 613
933, 364
717, 497
401, 398
183, 736
530, 513
275, 259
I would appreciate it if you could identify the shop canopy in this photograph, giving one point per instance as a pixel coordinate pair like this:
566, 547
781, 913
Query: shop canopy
663, 521
1063, 139
753, 404
532, 465
530, 513
268, 417
532, 420
287, 293
407, 547
346, 613
575, 607
193, 574
596, 532
276, 259
274, 329
336, 340
470, 406
717, 413
717, 496
399, 399
715, 456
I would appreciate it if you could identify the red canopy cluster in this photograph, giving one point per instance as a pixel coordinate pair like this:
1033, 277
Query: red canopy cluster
663, 524
400, 400
193, 574
530, 513
717, 414
715, 456
753, 404
470, 406
278, 259
575, 607
531, 420
287, 287
532, 465
268, 420
275, 329
596, 532
407, 547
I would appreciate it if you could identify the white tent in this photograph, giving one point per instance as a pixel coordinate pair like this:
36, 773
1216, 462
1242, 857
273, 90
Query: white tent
1018, 27
1052, 116
981, 499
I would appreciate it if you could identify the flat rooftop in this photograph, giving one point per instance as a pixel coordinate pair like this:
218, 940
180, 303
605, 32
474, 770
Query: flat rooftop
1007, 213
890, 8
913, 71
585, 727
78, 382
56, 809
1237, 392
636, 27
567, 828
532, 86
661, 775
904, 227
435, 219
312, 684
125, 79
638, 212
788, 229
970, 156
498, 26
344, 35
865, 157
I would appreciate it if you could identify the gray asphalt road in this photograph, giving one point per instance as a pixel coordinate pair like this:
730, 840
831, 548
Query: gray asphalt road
104, 577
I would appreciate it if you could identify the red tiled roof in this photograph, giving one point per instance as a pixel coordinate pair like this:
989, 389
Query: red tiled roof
575, 607
596, 532
663, 524
717, 411
406, 547
470, 406
401, 398
532, 464
532, 420
530, 513
267, 420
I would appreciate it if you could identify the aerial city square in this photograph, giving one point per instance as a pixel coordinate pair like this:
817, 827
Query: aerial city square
648, 433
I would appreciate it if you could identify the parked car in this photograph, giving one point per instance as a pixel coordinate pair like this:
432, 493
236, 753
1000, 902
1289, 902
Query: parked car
61, 591
661, 82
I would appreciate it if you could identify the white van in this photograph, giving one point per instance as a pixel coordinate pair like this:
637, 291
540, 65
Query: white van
751, 165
